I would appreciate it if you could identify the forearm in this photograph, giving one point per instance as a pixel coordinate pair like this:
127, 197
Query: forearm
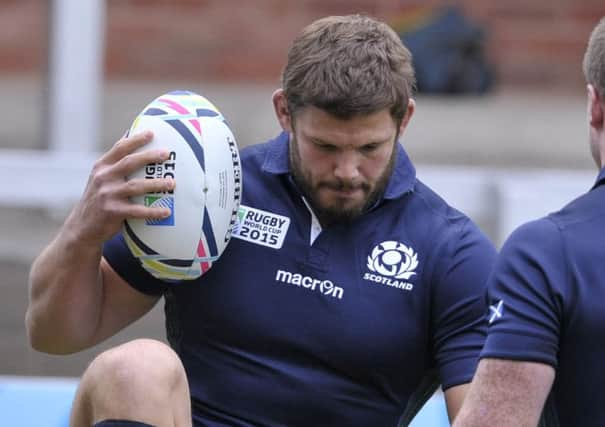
65, 294
507, 393
73, 304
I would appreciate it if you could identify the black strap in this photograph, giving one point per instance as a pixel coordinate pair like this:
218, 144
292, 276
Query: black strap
429, 384
549, 417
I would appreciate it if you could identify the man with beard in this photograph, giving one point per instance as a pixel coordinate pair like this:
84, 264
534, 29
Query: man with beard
367, 298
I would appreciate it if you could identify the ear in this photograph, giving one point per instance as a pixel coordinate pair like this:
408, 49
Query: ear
595, 108
280, 104
408, 116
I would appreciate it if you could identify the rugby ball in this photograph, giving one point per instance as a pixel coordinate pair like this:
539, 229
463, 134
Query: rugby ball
204, 162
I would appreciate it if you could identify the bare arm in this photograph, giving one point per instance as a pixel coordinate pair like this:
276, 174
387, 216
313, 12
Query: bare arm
76, 299
506, 392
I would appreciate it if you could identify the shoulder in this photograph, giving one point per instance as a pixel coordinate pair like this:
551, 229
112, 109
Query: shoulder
536, 245
270, 158
434, 207
584, 209
452, 242
537, 234
547, 248
438, 218
575, 222
254, 154
533, 265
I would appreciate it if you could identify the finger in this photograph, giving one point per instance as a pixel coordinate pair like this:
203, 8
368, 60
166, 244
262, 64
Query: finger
139, 186
127, 145
137, 211
135, 161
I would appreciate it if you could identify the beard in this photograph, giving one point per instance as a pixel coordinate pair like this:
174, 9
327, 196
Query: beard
328, 213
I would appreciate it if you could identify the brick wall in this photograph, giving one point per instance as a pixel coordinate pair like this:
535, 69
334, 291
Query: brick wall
23, 35
536, 43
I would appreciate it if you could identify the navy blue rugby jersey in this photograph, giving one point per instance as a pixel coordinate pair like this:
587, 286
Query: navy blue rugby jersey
547, 305
296, 327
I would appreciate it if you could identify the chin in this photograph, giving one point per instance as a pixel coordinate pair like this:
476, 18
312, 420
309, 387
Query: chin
342, 211
342, 205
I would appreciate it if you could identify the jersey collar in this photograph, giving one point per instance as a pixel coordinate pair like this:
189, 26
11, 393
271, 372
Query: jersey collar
401, 181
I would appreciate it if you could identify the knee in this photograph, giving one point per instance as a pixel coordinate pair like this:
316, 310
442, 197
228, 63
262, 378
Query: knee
140, 380
132, 367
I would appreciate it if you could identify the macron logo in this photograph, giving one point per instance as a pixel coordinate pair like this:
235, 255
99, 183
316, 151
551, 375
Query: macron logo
325, 287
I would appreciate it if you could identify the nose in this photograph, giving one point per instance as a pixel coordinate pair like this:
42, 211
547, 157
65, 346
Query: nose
346, 166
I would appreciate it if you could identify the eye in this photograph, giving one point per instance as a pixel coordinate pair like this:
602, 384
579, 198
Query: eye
370, 148
329, 148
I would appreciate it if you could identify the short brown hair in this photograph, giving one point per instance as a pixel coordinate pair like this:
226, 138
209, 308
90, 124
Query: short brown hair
349, 65
594, 58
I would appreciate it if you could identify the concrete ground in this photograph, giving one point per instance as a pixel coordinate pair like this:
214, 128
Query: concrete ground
504, 130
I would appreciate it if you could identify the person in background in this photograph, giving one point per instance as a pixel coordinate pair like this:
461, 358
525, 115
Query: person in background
542, 360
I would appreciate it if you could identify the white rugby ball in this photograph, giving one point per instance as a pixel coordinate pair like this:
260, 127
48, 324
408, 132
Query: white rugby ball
204, 162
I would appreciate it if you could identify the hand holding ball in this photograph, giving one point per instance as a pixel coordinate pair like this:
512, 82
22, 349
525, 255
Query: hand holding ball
204, 162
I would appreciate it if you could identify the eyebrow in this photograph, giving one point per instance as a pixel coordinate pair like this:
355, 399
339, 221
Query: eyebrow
375, 142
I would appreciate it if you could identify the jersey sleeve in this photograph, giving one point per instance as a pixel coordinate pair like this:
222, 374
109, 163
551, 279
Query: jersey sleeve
525, 304
458, 308
117, 254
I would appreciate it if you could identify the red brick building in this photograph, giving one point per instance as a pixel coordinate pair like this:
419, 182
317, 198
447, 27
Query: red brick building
537, 43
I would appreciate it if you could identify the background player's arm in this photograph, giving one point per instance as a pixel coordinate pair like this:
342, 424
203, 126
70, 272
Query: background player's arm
506, 393
76, 299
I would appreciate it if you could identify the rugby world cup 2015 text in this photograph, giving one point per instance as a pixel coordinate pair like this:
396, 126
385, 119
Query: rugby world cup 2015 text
261, 227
